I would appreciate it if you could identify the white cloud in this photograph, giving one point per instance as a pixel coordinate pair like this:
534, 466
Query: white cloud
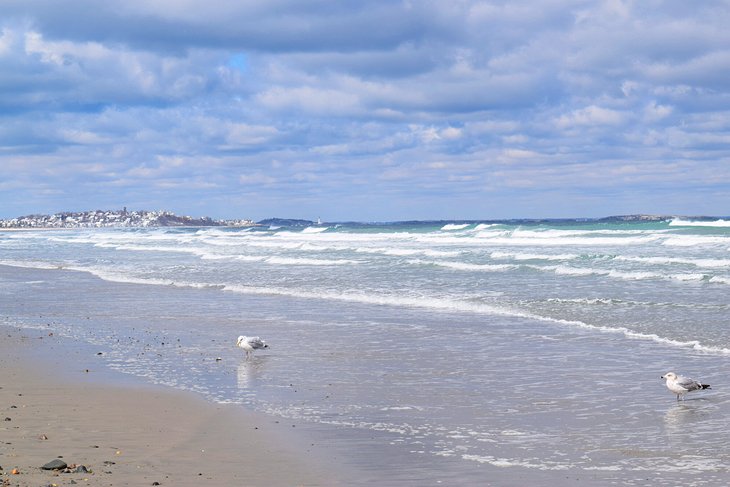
628, 88
242, 134
310, 100
331, 149
83, 137
520, 154
62, 73
590, 116
451, 133
654, 112
7, 40
256, 179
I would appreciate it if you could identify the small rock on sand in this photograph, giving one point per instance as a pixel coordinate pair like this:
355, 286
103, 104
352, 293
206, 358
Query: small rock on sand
55, 465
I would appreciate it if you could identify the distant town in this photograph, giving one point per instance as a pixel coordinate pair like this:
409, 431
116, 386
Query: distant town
117, 218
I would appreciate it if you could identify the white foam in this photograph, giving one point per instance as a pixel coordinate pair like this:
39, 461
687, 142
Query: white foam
705, 263
275, 244
720, 279
401, 408
31, 264
314, 229
589, 301
678, 222
687, 277
405, 252
621, 302
464, 266
695, 240
454, 226
488, 238
621, 274
574, 271
396, 252
313, 262
251, 258
507, 462
529, 256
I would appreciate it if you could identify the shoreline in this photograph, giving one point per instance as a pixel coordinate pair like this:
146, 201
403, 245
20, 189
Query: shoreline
129, 433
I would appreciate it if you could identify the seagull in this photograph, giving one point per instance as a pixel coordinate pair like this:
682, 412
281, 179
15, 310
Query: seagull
249, 344
681, 385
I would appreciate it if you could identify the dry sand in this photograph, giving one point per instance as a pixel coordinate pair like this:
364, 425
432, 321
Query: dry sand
132, 434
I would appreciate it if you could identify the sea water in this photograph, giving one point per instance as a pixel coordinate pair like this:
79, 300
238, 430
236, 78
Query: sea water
460, 349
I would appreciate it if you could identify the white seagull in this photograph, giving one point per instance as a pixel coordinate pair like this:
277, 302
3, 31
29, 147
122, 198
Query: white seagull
249, 344
681, 385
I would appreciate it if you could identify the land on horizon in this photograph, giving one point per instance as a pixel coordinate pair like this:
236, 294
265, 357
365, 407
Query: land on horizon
161, 218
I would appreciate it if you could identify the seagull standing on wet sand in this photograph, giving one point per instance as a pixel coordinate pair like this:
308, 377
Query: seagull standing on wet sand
681, 385
249, 344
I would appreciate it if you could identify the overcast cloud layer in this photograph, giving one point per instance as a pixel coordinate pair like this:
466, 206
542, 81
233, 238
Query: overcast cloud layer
365, 110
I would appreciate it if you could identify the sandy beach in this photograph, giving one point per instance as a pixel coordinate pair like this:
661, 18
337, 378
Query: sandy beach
58, 407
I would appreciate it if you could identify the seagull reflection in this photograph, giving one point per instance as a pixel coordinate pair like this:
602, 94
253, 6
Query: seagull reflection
248, 373
683, 418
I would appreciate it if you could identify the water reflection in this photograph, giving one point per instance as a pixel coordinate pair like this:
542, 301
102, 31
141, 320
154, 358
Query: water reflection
249, 372
686, 416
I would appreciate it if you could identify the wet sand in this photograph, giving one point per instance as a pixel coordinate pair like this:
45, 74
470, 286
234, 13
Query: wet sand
55, 405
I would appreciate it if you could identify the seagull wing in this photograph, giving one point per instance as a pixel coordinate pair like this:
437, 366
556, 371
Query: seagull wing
689, 384
257, 343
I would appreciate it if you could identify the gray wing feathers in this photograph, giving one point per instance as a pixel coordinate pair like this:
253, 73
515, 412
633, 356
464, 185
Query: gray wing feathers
257, 343
689, 384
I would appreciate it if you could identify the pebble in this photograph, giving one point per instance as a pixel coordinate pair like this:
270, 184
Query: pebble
55, 465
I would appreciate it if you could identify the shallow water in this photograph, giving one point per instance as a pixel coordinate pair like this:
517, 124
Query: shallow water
445, 353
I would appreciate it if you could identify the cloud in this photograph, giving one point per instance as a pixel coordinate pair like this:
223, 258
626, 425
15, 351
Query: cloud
69, 75
447, 104
590, 116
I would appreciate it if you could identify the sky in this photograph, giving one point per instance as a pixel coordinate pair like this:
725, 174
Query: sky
375, 110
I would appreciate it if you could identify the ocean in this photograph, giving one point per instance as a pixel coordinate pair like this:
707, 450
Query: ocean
520, 353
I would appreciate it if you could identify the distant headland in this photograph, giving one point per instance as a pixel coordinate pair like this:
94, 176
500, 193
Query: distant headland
117, 218
161, 218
